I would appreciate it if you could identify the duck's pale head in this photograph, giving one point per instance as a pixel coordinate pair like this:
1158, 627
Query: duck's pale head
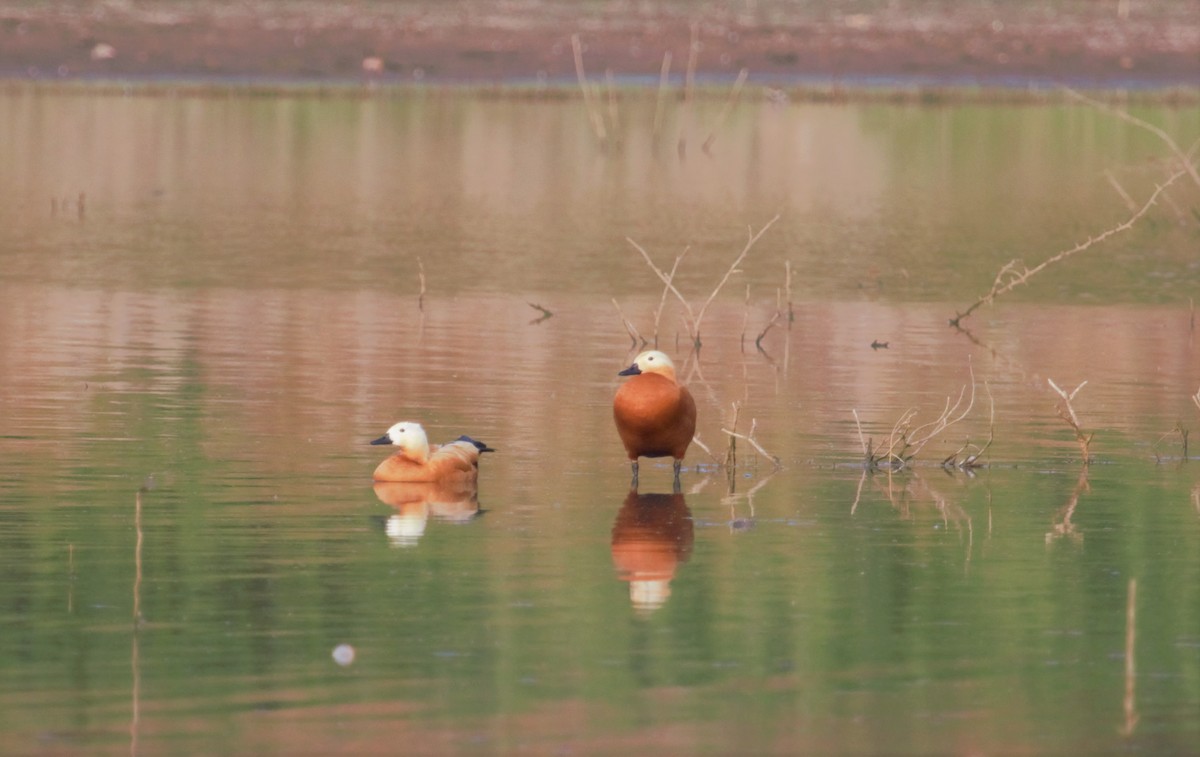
651, 361
410, 438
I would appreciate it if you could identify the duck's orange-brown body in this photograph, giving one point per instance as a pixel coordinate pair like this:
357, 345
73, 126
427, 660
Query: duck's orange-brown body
417, 462
655, 416
456, 461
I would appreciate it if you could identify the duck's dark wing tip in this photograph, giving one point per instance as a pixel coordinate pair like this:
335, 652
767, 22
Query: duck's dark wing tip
478, 444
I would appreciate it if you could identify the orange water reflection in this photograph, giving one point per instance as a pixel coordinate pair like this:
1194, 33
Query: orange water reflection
651, 538
416, 503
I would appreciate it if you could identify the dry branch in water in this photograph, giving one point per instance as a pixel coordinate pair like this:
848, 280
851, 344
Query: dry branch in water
905, 441
1067, 413
634, 336
1014, 273
970, 460
731, 455
693, 316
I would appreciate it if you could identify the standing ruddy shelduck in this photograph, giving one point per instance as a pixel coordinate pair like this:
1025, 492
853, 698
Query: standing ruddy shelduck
416, 462
655, 414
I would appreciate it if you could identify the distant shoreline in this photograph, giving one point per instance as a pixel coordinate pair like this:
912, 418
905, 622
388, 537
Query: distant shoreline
916, 45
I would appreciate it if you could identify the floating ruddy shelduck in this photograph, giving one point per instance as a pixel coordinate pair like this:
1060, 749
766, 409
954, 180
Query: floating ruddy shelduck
416, 462
655, 414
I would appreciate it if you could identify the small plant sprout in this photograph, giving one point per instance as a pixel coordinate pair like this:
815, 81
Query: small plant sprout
1067, 413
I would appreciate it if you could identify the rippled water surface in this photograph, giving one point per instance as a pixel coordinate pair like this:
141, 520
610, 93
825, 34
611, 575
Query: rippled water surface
209, 305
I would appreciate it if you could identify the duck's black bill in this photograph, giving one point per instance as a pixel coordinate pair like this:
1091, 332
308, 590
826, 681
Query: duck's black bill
632, 370
382, 440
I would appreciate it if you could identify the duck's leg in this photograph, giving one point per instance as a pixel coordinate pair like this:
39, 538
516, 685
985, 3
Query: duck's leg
634, 483
677, 487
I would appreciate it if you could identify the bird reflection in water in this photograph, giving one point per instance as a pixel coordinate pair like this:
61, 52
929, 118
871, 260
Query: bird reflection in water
415, 503
651, 537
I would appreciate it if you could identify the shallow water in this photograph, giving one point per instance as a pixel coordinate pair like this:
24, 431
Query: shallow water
191, 366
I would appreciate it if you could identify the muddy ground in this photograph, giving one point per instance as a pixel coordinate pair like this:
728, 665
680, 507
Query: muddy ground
1013, 42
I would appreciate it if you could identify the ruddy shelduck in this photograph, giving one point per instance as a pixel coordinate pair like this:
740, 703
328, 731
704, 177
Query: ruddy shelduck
655, 414
416, 462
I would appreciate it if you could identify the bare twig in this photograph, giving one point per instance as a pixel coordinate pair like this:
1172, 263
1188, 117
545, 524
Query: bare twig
697, 441
774, 319
1183, 435
634, 336
866, 446
905, 442
1010, 277
971, 460
731, 450
1067, 413
749, 438
695, 317
733, 268
663, 300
